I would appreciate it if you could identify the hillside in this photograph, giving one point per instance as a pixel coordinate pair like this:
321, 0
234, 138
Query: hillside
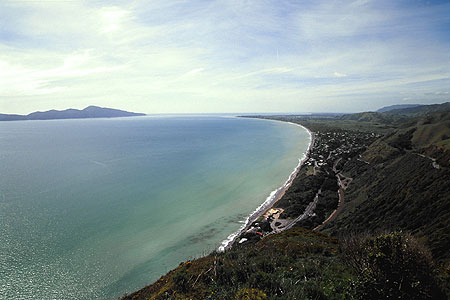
374, 117
395, 114
431, 131
421, 110
302, 264
88, 112
403, 184
398, 182
397, 106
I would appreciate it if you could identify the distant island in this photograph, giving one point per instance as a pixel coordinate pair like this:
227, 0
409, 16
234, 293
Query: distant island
87, 113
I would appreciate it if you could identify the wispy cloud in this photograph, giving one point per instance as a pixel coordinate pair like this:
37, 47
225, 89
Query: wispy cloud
337, 74
194, 71
204, 56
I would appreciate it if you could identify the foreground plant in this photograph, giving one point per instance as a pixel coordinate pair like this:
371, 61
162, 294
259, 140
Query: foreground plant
392, 265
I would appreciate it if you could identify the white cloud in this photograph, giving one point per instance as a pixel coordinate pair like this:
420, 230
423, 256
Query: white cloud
337, 74
34, 80
194, 71
112, 18
165, 56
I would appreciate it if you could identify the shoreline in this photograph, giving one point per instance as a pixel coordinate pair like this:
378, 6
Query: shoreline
273, 197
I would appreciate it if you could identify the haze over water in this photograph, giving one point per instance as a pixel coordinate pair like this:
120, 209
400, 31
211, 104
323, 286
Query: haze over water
91, 209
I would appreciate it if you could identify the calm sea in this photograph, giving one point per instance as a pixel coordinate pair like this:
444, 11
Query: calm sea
92, 209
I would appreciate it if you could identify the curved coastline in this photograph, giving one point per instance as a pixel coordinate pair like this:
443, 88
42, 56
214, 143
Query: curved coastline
273, 197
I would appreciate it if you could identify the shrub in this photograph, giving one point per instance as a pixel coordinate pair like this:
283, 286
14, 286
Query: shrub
250, 294
181, 280
392, 265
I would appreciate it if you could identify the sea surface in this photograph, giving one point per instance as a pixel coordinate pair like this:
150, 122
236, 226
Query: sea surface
95, 208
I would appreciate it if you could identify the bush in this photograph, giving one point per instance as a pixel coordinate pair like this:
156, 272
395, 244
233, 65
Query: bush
250, 294
392, 265
181, 280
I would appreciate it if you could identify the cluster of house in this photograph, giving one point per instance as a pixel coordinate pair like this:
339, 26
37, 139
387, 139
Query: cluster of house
330, 145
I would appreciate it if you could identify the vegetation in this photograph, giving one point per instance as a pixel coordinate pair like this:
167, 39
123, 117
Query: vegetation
295, 262
397, 106
375, 118
302, 264
391, 266
404, 186
421, 110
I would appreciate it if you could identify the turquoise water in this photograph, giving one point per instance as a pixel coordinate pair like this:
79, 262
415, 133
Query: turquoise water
92, 209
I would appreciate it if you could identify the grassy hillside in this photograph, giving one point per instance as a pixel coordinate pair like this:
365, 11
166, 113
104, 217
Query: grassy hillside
397, 106
407, 193
403, 185
374, 117
399, 183
297, 261
302, 264
426, 134
432, 129
421, 110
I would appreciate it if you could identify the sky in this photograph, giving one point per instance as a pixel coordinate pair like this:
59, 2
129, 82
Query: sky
208, 56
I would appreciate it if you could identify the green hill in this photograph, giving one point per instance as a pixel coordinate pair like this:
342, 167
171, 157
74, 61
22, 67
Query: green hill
400, 193
404, 185
421, 110
396, 114
374, 117
421, 134
397, 106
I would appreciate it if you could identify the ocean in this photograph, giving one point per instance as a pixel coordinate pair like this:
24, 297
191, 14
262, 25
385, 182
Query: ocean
95, 208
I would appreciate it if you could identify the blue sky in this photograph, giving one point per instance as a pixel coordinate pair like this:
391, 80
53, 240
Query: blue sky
223, 56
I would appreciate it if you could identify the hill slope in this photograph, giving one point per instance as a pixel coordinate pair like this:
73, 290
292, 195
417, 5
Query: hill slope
421, 110
374, 117
397, 106
403, 184
302, 264
431, 131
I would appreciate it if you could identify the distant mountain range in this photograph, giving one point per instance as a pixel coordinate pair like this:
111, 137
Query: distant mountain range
88, 112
